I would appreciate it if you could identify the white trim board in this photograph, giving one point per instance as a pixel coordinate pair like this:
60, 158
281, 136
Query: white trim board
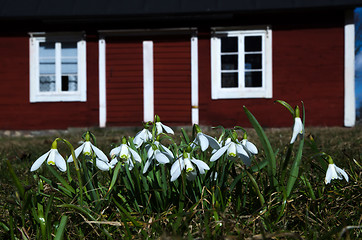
148, 93
102, 83
349, 71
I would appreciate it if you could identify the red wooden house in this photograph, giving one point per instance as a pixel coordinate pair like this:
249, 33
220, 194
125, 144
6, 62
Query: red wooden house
86, 63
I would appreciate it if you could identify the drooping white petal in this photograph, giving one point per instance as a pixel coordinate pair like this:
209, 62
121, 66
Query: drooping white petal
334, 172
113, 162
161, 158
341, 172
175, 174
147, 165
36, 165
166, 150
240, 150
135, 155
150, 152
167, 129
202, 166
204, 143
59, 161
103, 166
115, 151
213, 142
219, 153
249, 146
99, 153
77, 152
297, 129
176, 169
158, 127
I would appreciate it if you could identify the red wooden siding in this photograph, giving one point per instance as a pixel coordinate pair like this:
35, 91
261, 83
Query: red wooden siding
172, 81
124, 82
16, 110
307, 66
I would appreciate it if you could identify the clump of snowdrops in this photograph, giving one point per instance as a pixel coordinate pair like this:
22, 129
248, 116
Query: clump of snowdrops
151, 184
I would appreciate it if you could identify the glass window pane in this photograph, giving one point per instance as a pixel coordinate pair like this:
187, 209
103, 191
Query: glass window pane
69, 83
47, 83
229, 44
252, 43
46, 50
253, 61
229, 62
229, 80
253, 79
69, 66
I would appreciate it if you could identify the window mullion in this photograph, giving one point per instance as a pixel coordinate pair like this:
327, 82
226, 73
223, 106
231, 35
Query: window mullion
241, 63
58, 67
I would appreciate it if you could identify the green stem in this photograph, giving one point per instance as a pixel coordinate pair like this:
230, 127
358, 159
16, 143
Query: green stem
77, 169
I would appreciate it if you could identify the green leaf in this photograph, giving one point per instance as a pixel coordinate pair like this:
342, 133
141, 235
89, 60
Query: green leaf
285, 104
115, 176
267, 147
61, 179
61, 229
294, 171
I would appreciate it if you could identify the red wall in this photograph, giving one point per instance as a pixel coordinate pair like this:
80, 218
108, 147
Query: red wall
308, 66
172, 81
16, 110
124, 82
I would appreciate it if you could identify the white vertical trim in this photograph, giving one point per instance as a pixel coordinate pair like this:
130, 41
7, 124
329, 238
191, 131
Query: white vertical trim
102, 83
349, 88
148, 103
268, 64
82, 69
58, 67
194, 81
33, 69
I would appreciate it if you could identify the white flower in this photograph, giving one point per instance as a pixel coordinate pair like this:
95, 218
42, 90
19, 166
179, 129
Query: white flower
53, 157
160, 127
124, 153
185, 162
249, 147
233, 150
334, 172
297, 129
88, 149
159, 152
142, 137
204, 141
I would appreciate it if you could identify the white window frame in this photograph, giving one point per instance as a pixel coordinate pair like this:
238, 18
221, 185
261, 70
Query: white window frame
266, 91
57, 96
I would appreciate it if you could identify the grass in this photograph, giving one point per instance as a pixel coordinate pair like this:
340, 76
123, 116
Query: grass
320, 211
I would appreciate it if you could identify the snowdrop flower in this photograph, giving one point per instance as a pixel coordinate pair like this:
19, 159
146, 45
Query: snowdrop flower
233, 150
186, 163
160, 126
88, 149
249, 147
204, 141
124, 154
159, 152
334, 172
142, 137
298, 126
53, 158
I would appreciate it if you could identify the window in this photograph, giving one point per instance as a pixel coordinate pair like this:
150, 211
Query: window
241, 64
57, 67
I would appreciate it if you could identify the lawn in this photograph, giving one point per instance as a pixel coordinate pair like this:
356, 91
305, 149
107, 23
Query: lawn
240, 203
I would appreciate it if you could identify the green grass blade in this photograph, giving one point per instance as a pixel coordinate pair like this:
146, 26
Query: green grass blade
16, 180
267, 147
115, 176
294, 171
61, 179
285, 104
61, 229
